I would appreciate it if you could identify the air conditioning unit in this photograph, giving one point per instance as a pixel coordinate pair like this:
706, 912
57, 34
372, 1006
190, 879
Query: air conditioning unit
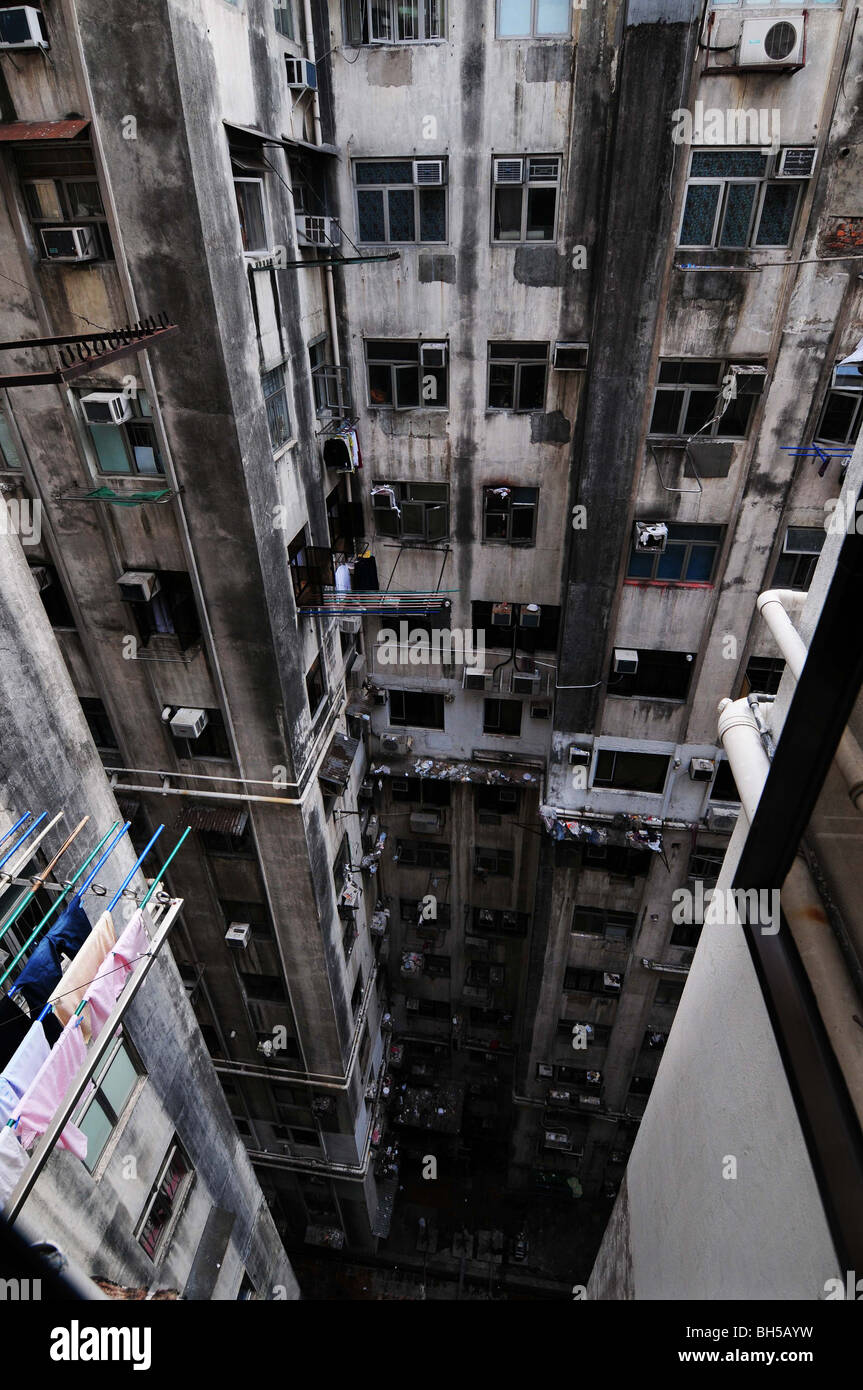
433, 354
570, 357
395, 743
650, 536
701, 769
318, 231
476, 680
351, 622
106, 408
625, 661
239, 934
795, 162
749, 378
578, 756
69, 243
425, 822
429, 171
302, 75
188, 723
722, 818
41, 575
611, 983
138, 586
357, 672
525, 682
529, 615
772, 43
501, 615
22, 27
509, 171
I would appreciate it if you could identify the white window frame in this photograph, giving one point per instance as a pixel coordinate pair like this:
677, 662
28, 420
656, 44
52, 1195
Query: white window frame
390, 8
525, 185
257, 252
761, 182
530, 33
839, 386
386, 188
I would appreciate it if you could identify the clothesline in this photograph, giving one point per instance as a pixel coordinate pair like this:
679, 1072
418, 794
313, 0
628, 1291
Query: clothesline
63, 995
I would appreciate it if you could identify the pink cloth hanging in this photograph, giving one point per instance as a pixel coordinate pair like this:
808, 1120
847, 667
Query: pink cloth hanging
74, 984
113, 973
41, 1100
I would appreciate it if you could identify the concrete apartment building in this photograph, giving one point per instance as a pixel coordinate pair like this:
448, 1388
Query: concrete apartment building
532, 381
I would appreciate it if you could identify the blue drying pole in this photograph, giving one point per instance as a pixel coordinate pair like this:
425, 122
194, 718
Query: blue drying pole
134, 869
110, 850
19, 822
27, 833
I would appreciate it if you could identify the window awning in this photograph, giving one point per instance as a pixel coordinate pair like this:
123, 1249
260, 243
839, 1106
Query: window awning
225, 820
291, 141
42, 130
335, 770
250, 133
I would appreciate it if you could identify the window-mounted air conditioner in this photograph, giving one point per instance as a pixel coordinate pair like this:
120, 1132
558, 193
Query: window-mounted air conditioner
394, 743
476, 680
69, 243
524, 682
188, 723
722, 818
611, 983
795, 162
507, 797
106, 407
570, 357
239, 934
429, 171
509, 171
350, 623
625, 661
22, 26
529, 615
425, 822
772, 43
501, 615
302, 75
749, 378
318, 231
138, 586
433, 354
650, 536
701, 769
578, 756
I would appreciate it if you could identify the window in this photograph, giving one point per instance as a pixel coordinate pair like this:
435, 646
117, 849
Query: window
619, 861
634, 772
315, 688
705, 863
599, 921
485, 973
212, 742
413, 511
61, 188
420, 789
493, 921
330, 385
132, 447
579, 981
497, 801
509, 514
99, 725
256, 914
283, 17
357, 994
401, 201
416, 707
517, 374
598, 1034
493, 861
270, 988
724, 786
533, 18
51, 593
841, 413
536, 638
438, 967
114, 1083
731, 203
223, 834
688, 397
686, 934
170, 612
165, 1201
524, 203
763, 675
250, 210
349, 937
10, 459
502, 717
275, 389
800, 552
689, 557
660, 676
406, 375
394, 21
410, 910
422, 854
669, 992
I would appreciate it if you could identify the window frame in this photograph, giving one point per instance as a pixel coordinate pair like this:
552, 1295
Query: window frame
142, 419
428, 505
285, 7
689, 543
402, 720
761, 182
686, 389
525, 185
803, 567
839, 388
509, 508
178, 1201
531, 32
10, 443
397, 364
95, 1097
386, 188
358, 21
517, 362
609, 784
270, 396
317, 676
253, 252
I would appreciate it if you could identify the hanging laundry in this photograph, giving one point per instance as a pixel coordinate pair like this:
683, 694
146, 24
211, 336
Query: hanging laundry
71, 930
40, 975
342, 451
14, 1027
13, 1161
366, 574
387, 490
74, 984
343, 579
112, 975
40, 1102
22, 1069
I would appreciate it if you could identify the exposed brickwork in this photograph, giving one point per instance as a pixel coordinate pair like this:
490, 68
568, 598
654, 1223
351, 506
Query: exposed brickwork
843, 234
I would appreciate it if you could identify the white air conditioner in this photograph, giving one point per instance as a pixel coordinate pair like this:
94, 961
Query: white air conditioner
749, 378
650, 536
69, 243
611, 983
302, 75
429, 171
394, 743
351, 622
476, 680
21, 27
772, 43
433, 354
525, 682
509, 171
106, 408
188, 723
239, 934
701, 769
625, 661
578, 756
425, 822
722, 818
318, 231
795, 162
570, 357
138, 586
501, 615
530, 615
